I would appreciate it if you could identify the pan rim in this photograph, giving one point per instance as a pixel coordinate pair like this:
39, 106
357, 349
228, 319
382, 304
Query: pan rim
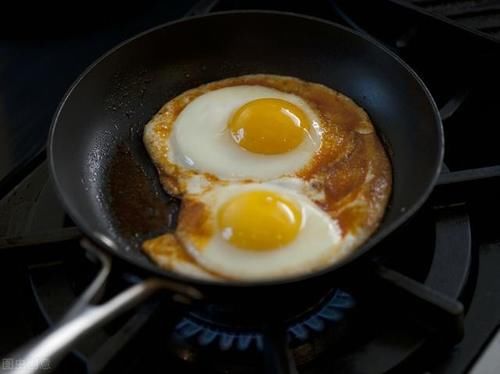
375, 238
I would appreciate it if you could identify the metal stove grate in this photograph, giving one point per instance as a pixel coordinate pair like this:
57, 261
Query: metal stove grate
481, 16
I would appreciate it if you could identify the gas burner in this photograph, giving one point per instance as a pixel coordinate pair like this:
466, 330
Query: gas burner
198, 331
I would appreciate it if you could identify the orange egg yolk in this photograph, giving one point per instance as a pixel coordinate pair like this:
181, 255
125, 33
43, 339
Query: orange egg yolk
259, 220
269, 126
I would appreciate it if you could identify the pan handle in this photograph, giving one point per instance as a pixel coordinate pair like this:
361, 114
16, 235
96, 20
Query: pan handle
44, 353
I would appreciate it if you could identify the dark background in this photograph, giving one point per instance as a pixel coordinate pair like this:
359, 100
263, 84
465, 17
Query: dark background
44, 46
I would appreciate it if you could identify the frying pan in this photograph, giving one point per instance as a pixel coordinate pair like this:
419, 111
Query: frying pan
107, 182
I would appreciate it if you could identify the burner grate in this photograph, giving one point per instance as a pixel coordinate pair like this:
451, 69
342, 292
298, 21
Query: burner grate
478, 15
300, 331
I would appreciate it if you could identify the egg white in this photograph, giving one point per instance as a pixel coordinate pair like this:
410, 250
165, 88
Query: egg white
164, 251
318, 243
200, 140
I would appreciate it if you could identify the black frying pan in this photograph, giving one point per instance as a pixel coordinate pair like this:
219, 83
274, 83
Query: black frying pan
110, 188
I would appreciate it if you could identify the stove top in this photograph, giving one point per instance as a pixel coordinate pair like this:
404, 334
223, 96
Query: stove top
452, 245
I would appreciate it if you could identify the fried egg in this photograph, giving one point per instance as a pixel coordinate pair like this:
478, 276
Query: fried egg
257, 133
259, 231
298, 144
232, 133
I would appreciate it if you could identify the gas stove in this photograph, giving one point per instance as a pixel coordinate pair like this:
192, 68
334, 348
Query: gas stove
452, 244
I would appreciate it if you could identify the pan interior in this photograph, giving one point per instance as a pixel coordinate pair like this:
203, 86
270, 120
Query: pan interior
98, 161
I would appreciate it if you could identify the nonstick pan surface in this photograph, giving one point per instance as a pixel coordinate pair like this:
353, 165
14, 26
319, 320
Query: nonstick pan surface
107, 182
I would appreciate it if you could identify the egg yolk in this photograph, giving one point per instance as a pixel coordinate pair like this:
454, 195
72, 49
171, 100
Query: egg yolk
259, 220
269, 126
